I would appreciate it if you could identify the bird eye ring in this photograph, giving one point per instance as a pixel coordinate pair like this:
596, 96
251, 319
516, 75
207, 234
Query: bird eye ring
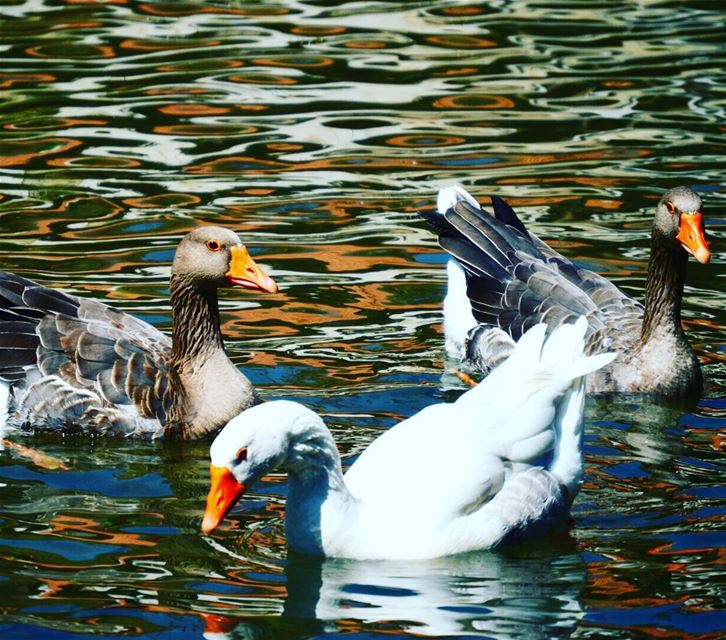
670, 207
213, 245
241, 455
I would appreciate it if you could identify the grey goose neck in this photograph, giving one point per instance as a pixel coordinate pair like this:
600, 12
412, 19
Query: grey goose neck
195, 320
664, 287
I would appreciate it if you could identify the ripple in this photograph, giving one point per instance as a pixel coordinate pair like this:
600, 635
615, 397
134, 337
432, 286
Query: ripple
317, 130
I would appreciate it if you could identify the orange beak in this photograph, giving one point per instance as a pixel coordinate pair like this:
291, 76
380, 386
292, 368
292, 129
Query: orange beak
692, 236
223, 494
244, 272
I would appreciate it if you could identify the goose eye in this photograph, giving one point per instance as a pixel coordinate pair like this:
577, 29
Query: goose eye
670, 207
241, 455
213, 245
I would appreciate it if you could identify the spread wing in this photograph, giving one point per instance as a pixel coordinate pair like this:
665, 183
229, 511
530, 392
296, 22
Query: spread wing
514, 280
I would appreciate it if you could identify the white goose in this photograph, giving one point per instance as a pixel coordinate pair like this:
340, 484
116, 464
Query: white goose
504, 461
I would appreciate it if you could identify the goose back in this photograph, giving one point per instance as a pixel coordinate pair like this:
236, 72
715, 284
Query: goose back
79, 365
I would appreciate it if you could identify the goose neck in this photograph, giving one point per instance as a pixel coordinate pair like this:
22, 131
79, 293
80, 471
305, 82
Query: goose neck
195, 320
319, 509
664, 287
314, 462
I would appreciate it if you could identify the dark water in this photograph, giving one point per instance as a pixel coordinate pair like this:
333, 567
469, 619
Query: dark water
317, 130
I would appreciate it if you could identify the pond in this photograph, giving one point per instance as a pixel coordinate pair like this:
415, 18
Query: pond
317, 130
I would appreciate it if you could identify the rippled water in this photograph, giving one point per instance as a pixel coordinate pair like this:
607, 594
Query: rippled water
316, 130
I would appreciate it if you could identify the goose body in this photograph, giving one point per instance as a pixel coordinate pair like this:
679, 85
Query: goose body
504, 461
77, 365
503, 279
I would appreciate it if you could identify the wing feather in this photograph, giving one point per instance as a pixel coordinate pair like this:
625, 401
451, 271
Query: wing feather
514, 280
81, 348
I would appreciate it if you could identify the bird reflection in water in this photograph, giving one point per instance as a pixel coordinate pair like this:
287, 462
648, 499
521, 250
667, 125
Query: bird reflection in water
532, 592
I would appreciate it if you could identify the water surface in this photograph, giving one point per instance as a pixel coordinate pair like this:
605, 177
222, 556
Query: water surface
317, 130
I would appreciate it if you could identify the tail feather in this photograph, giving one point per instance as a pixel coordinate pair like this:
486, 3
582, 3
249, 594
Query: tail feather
505, 213
538, 395
566, 463
449, 196
458, 318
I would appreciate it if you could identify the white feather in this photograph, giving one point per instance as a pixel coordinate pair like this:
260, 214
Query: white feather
458, 317
449, 196
454, 477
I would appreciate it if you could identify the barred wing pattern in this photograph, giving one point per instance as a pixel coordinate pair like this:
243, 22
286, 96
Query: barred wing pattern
514, 281
79, 365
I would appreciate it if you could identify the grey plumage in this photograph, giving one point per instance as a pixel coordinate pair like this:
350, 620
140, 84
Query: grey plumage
514, 280
78, 365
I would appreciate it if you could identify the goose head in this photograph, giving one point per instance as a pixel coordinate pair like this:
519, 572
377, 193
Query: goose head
678, 216
215, 255
251, 445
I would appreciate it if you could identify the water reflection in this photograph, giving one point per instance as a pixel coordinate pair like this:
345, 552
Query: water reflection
532, 594
316, 130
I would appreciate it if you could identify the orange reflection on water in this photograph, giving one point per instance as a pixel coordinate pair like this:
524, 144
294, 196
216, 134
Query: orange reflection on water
365, 44
95, 162
618, 84
424, 140
347, 258
460, 41
186, 66
167, 45
176, 90
465, 10
190, 109
603, 204
316, 30
463, 71
13, 152
599, 154
473, 101
164, 200
263, 79
608, 581
364, 162
292, 313
8, 80
96, 2
52, 123
603, 183
87, 530
309, 62
254, 165
205, 130
75, 52
179, 9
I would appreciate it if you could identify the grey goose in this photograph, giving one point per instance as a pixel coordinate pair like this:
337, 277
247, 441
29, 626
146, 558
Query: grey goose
72, 364
504, 280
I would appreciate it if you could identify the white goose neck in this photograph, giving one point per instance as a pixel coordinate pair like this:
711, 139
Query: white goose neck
313, 459
319, 506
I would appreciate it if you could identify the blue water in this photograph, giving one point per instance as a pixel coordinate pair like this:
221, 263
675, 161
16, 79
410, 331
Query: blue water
317, 130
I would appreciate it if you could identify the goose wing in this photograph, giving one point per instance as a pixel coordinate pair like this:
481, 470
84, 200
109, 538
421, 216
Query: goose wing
514, 280
427, 468
79, 361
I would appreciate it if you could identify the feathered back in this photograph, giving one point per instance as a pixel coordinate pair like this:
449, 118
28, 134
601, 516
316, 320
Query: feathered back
515, 281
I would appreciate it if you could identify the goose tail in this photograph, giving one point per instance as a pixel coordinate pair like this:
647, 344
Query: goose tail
458, 317
566, 345
538, 396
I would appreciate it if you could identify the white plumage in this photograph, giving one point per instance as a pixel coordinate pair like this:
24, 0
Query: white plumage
504, 460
